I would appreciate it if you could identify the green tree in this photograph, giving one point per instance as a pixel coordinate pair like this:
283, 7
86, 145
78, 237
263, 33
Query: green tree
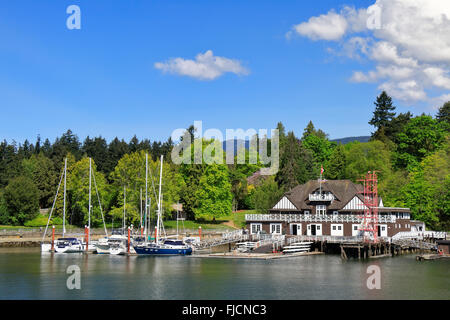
420, 137
22, 200
310, 130
42, 171
443, 114
214, 197
266, 195
78, 187
428, 193
364, 157
130, 172
97, 149
383, 113
336, 165
321, 148
296, 164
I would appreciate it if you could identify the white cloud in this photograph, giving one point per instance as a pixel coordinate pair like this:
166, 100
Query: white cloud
411, 50
206, 66
330, 26
437, 77
406, 90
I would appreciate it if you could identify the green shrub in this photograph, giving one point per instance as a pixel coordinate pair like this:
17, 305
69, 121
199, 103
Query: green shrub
41, 221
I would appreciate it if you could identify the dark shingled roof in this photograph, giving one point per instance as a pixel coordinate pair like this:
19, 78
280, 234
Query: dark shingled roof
343, 191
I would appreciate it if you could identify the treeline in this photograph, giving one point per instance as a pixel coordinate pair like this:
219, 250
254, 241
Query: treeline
30, 173
411, 154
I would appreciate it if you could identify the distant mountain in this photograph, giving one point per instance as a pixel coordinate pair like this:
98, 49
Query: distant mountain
244, 143
351, 139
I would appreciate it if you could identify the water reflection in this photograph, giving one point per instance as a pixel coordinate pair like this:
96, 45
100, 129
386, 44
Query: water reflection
32, 275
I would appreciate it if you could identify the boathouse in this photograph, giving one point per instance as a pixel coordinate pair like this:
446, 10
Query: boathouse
327, 208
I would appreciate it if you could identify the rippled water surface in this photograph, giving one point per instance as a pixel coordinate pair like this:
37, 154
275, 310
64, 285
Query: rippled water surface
28, 274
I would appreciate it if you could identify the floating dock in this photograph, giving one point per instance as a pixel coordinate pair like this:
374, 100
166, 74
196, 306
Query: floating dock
257, 256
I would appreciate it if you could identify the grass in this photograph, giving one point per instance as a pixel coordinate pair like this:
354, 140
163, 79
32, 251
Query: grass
237, 219
188, 224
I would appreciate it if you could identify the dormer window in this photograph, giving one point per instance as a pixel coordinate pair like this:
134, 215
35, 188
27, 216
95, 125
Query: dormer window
321, 209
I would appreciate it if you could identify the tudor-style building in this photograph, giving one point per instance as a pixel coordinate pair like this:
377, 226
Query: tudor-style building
335, 211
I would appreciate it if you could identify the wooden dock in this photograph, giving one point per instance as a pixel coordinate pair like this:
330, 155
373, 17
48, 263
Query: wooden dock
255, 256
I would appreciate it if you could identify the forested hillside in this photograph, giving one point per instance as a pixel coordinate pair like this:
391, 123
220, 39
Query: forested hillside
411, 154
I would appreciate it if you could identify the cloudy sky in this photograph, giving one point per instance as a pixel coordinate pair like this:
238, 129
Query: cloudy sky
149, 67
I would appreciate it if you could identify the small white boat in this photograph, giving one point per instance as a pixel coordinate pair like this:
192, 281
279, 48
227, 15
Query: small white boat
118, 245
102, 246
68, 245
297, 247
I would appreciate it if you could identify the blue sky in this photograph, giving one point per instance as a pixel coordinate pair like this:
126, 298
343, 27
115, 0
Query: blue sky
102, 80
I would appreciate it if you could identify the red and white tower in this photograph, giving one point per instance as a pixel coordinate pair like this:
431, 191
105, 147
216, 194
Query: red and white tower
369, 224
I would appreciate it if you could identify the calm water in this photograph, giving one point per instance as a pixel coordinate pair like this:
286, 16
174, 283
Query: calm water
26, 274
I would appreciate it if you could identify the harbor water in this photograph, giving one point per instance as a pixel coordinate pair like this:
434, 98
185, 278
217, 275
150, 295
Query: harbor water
28, 274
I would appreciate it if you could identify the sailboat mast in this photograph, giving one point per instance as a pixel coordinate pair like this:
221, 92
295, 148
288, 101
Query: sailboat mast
159, 201
146, 196
90, 186
140, 205
64, 201
124, 201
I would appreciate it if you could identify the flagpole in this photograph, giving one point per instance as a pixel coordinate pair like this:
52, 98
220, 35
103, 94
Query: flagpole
320, 182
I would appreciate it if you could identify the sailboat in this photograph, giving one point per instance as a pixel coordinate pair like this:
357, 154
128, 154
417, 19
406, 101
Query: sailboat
162, 246
71, 245
117, 244
63, 244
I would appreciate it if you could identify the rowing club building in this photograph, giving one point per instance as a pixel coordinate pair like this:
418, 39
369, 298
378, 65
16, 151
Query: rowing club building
333, 208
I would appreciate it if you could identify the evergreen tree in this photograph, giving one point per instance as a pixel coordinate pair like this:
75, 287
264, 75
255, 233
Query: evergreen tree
296, 164
116, 150
37, 146
383, 113
335, 167
97, 149
443, 114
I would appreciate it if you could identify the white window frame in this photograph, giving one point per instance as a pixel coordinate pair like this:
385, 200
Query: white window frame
256, 225
321, 209
337, 232
275, 225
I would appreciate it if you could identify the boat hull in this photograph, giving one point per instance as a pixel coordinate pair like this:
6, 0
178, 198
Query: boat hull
69, 249
163, 251
103, 248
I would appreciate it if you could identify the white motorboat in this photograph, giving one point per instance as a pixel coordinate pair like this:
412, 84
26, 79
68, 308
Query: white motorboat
102, 246
118, 244
68, 245
115, 244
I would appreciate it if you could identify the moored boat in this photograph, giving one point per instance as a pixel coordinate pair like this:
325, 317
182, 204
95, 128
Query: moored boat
162, 246
297, 247
68, 245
